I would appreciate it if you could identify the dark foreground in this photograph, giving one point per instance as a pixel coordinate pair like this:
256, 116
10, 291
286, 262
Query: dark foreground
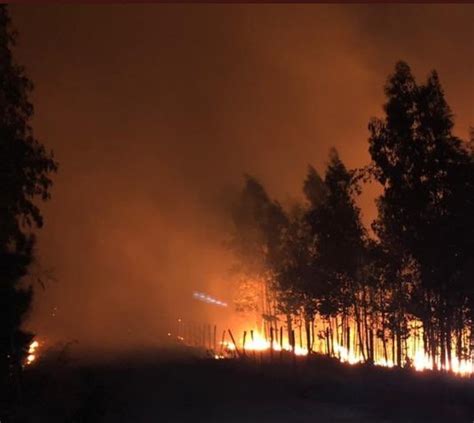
179, 386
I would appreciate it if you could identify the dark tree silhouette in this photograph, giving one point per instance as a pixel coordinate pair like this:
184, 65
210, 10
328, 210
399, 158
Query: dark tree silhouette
25, 167
296, 281
404, 292
335, 224
426, 208
258, 223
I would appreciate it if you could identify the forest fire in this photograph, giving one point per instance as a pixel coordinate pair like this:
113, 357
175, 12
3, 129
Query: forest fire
344, 348
259, 214
416, 359
258, 343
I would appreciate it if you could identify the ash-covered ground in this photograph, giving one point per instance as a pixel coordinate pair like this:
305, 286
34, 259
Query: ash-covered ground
182, 385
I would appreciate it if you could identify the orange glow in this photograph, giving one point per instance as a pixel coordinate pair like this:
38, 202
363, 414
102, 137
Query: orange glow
413, 356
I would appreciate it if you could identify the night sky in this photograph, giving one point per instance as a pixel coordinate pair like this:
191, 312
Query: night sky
155, 112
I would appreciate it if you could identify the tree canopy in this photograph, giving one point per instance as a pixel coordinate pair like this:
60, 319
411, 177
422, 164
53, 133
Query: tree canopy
411, 282
25, 173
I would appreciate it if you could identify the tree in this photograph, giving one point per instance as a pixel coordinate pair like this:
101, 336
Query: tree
340, 238
426, 207
296, 278
258, 225
25, 169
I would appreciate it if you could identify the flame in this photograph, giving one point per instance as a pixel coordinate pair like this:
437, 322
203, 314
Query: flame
346, 356
32, 352
461, 367
339, 338
415, 356
260, 344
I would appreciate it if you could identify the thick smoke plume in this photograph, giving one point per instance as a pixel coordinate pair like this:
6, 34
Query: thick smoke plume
156, 111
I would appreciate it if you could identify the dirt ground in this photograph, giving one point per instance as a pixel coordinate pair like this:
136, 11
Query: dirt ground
180, 385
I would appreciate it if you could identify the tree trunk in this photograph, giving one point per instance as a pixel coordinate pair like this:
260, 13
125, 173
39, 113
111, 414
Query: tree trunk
359, 331
289, 326
399, 346
307, 327
328, 349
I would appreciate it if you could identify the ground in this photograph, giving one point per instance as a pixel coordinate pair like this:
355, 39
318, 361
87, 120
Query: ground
181, 385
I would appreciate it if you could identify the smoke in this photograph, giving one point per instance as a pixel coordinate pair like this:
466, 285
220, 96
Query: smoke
155, 112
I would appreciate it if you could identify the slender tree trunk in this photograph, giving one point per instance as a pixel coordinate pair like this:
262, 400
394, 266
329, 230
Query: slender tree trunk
289, 326
307, 327
348, 343
331, 337
471, 341
371, 344
359, 331
328, 349
399, 345
442, 333
367, 335
394, 359
384, 345
448, 341
300, 333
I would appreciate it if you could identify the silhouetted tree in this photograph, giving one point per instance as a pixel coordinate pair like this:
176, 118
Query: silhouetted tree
258, 225
409, 286
340, 237
426, 206
296, 277
25, 167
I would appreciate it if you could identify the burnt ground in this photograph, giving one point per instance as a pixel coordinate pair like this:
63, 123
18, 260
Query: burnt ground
182, 386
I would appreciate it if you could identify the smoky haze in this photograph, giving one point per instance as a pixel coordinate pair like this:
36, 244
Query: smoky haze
155, 112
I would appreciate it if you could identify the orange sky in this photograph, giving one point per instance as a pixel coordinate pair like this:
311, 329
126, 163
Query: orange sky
155, 111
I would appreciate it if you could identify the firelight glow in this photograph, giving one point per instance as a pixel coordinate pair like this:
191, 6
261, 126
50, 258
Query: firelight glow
419, 361
32, 352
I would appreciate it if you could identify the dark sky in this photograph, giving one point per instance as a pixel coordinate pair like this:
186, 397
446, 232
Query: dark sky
155, 112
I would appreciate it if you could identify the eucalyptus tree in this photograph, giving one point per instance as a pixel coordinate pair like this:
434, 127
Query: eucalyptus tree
426, 206
340, 237
256, 240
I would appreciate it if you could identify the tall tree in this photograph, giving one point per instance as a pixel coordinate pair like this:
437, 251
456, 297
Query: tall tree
426, 207
258, 225
25, 168
296, 279
340, 238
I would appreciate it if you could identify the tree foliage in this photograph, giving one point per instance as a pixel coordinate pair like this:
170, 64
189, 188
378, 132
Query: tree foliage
409, 284
25, 171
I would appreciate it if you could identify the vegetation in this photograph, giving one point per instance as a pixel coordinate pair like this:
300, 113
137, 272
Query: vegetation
408, 286
25, 177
